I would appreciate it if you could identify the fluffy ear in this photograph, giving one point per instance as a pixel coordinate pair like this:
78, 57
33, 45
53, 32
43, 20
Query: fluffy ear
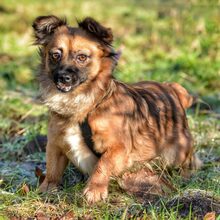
93, 27
44, 27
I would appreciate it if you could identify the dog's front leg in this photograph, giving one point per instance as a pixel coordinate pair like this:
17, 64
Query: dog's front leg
64, 144
111, 163
77, 151
56, 164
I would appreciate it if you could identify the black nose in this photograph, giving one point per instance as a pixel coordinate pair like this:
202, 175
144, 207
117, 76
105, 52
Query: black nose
64, 78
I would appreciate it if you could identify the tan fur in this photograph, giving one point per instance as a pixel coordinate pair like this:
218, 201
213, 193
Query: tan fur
129, 123
185, 98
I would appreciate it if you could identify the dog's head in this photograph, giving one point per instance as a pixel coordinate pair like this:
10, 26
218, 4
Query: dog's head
72, 56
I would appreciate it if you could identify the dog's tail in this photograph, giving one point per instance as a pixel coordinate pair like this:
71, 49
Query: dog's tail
185, 98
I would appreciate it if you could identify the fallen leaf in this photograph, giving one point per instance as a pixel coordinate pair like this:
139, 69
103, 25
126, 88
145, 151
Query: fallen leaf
41, 216
39, 174
25, 189
14, 218
67, 216
209, 216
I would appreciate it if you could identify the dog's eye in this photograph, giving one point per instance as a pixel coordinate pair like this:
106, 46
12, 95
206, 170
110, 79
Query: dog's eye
56, 56
81, 58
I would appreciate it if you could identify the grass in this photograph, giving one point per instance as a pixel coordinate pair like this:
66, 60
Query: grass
162, 41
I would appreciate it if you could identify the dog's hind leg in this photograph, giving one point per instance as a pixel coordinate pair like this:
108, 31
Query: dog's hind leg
190, 164
182, 156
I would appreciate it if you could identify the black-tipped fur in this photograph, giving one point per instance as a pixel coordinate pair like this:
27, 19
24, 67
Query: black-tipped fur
44, 27
93, 27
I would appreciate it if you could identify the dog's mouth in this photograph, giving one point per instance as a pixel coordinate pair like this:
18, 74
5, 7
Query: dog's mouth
64, 87
66, 82
67, 87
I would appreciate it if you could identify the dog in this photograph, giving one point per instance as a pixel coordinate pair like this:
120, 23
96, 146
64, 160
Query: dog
129, 122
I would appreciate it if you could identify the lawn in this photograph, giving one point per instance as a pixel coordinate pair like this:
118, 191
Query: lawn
160, 40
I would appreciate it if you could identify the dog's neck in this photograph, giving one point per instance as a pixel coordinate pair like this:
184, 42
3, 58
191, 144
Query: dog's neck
77, 104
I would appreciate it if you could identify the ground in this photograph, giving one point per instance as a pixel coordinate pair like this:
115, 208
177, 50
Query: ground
162, 41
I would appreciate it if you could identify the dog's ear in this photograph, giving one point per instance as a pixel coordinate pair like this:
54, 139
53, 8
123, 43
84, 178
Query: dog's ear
96, 29
44, 27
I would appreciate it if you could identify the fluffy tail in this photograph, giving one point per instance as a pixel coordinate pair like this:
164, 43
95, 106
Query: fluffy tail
185, 98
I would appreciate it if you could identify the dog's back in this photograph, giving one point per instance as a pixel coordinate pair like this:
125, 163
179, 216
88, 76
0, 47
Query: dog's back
167, 103
184, 97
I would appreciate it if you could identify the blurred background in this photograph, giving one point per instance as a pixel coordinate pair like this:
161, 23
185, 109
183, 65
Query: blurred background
162, 40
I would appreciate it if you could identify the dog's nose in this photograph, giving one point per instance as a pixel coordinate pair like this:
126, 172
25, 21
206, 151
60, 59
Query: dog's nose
64, 78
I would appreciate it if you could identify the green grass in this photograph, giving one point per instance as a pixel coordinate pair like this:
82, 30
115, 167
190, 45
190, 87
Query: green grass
160, 40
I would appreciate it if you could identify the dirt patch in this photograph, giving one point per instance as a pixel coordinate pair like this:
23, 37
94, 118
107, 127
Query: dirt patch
145, 184
199, 202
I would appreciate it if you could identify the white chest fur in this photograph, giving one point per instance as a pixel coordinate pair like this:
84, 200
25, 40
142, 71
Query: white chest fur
78, 153
65, 104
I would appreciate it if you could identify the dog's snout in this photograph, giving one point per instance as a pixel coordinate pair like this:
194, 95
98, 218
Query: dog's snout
66, 75
65, 78
71, 70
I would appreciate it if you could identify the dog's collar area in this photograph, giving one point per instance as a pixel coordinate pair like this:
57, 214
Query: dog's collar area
106, 95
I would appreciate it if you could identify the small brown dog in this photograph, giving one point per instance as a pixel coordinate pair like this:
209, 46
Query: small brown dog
129, 123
